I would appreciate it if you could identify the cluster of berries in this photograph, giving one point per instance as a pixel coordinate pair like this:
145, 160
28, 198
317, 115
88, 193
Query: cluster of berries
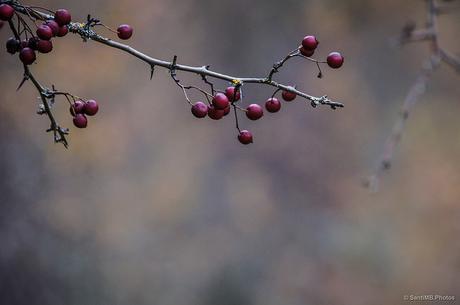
42, 42
310, 43
221, 103
80, 110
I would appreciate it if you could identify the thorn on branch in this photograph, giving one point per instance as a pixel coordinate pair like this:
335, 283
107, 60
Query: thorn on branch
24, 79
152, 70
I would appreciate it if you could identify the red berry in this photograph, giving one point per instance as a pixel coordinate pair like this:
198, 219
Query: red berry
44, 32
288, 96
63, 30
245, 137
90, 108
200, 110
12, 45
214, 113
310, 43
335, 60
6, 12
33, 43
254, 112
44, 46
77, 108
125, 31
53, 26
80, 121
24, 44
306, 52
227, 110
230, 93
27, 56
273, 105
220, 101
62, 17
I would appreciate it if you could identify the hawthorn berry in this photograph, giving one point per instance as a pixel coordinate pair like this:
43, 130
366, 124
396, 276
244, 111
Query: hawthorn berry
288, 96
335, 60
80, 121
33, 43
227, 110
230, 93
77, 108
125, 31
254, 112
91, 108
245, 137
63, 30
199, 110
12, 45
220, 101
62, 17
306, 52
310, 43
214, 113
24, 44
44, 46
273, 105
44, 32
6, 12
53, 26
27, 56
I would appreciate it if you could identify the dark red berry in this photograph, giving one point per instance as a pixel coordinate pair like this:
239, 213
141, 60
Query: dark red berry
77, 108
335, 60
306, 52
6, 12
125, 31
245, 137
53, 26
220, 101
230, 93
27, 56
90, 108
33, 43
63, 30
227, 110
200, 110
288, 96
44, 32
13, 45
62, 17
310, 42
254, 112
44, 46
24, 44
273, 105
214, 113
80, 121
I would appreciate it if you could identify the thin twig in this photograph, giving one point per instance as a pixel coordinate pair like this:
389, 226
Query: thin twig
437, 56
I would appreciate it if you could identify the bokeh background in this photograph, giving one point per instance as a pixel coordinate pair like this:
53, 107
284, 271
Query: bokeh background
152, 206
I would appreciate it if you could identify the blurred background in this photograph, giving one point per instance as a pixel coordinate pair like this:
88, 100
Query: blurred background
152, 206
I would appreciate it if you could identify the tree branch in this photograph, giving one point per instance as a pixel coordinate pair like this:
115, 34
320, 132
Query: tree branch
87, 33
438, 55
